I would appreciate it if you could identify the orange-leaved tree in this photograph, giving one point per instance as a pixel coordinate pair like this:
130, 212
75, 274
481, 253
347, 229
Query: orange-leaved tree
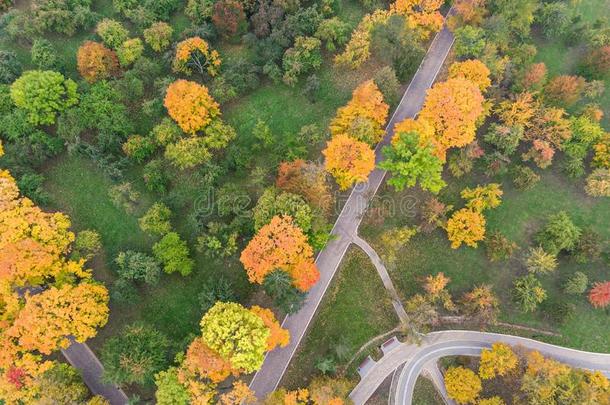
348, 160
599, 296
308, 180
45, 297
280, 245
96, 62
452, 108
423, 16
195, 54
190, 105
363, 116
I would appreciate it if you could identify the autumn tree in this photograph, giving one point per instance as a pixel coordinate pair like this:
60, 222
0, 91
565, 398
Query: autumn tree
564, 90
599, 295
195, 54
308, 180
278, 337
452, 109
519, 110
364, 115
237, 334
466, 226
499, 360
550, 125
201, 360
348, 160
462, 384
228, 17
357, 50
598, 183
422, 16
534, 77
43, 95
158, 36
482, 198
408, 160
481, 303
190, 105
473, 70
539, 261
528, 292
280, 245
96, 62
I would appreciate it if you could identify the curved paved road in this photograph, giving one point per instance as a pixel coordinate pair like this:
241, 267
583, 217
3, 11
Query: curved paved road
459, 342
268, 377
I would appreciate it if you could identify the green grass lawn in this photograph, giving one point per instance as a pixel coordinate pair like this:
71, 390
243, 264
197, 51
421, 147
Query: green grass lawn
355, 309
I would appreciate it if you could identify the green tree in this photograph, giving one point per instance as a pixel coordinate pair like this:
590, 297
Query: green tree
10, 67
173, 253
559, 234
528, 292
158, 36
87, 244
409, 162
43, 94
135, 355
555, 19
333, 32
236, 334
112, 32
61, 384
302, 58
539, 261
279, 285
138, 266
169, 390
156, 220
44, 55
214, 290
130, 51
469, 42
275, 202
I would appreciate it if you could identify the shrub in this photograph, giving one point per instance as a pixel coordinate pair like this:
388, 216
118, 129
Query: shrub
87, 244
525, 178
10, 67
528, 292
576, 284
43, 94
124, 291
505, 138
589, 247
44, 55
560, 233
564, 90
96, 62
61, 384
112, 32
387, 82
130, 51
499, 247
156, 220
124, 196
539, 261
158, 36
139, 148
135, 355
599, 296
598, 183
137, 266
173, 253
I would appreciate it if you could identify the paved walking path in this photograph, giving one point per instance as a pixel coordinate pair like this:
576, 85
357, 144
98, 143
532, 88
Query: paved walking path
385, 278
80, 356
276, 362
435, 345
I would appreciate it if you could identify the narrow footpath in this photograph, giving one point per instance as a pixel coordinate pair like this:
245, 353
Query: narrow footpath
269, 376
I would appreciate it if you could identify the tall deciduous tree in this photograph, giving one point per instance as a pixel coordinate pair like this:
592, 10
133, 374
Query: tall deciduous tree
499, 360
195, 54
462, 384
96, 62
452, 109
466, 226
280, 245
190, 105
348, 160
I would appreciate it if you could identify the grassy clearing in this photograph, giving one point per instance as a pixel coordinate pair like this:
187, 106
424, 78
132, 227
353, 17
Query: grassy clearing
519, 217
425, 393
354, 310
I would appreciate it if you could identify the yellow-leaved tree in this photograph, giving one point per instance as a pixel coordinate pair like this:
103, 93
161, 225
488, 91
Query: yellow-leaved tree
348, 160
